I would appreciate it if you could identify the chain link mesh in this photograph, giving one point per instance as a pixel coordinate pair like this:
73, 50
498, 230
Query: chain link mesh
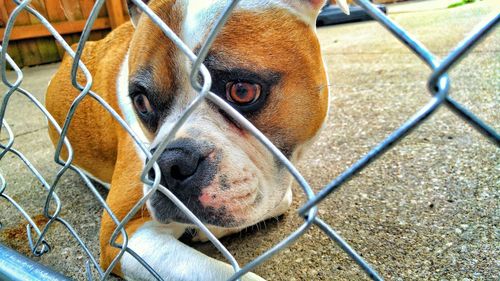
438, 86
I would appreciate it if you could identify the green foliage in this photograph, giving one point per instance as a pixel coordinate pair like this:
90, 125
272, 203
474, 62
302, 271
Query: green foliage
460, 3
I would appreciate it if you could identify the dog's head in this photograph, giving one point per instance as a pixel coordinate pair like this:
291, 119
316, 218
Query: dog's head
266, 63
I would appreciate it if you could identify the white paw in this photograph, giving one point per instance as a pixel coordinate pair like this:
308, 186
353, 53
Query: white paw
252, 277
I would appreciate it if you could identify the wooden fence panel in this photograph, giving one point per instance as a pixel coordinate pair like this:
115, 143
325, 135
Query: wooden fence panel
56, 14
72, 9
46, 46
13, 47
86, 6
115, 11
31, 43
28, 50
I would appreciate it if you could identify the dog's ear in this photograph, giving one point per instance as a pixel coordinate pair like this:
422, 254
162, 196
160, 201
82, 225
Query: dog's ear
311, 8
134, 11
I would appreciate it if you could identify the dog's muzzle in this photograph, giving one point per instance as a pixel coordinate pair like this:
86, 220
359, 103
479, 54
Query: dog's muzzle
187, 166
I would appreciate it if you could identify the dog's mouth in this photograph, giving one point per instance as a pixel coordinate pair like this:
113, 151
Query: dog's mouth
218, 188
217, 204
227, 216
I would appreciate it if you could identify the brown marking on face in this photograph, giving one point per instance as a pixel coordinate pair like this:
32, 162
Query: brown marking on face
297, 106
153, 53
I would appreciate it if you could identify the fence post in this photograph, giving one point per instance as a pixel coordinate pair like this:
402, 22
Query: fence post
14, 266
115, 12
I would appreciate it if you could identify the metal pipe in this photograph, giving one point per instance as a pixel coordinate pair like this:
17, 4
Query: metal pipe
16, 267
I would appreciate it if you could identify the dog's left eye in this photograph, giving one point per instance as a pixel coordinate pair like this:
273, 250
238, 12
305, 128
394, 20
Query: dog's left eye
142, 104
243, 93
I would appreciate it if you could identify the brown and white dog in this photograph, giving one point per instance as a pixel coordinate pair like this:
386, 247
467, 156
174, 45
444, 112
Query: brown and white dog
266, 63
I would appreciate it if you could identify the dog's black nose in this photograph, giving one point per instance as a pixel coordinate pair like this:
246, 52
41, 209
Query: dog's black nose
187, 167
178, 164
182, 165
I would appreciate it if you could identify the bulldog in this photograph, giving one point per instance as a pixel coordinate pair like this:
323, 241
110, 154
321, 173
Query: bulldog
265, 63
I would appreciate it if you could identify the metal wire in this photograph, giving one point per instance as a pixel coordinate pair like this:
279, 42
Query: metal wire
438, 86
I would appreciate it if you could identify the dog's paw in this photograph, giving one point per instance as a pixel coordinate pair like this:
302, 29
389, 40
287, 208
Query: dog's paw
216, 231
252, 277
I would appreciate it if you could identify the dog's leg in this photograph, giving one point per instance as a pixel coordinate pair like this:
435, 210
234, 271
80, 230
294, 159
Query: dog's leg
171, 259
157, 245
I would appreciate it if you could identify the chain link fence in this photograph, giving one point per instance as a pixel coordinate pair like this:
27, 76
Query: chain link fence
438, 86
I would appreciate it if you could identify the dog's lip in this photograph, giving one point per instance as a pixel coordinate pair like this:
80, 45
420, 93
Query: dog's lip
251, 191
244, 204
248, 196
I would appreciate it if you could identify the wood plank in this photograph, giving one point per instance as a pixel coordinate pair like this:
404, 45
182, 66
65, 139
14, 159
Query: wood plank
75, 7
28, 49
86, 6
55, 11
38, 30
103, 13
72, 9
48, 50
22, 18
115, 12
4, 15
98, 35
125, 10
56, 14
39, 6
95, 35
15, 53
46, 46
30, 53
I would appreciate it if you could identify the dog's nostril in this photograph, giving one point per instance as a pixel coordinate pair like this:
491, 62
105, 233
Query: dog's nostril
182, 164
151, 174
181, 174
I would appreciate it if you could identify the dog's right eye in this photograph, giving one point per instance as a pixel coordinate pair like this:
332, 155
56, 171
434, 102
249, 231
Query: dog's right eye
142, 105
242, 93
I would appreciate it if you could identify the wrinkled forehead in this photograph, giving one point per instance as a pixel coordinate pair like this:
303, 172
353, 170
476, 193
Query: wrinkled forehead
201, 16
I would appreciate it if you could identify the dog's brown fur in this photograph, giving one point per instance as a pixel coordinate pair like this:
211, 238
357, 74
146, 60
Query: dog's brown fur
98, 141
101, 146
